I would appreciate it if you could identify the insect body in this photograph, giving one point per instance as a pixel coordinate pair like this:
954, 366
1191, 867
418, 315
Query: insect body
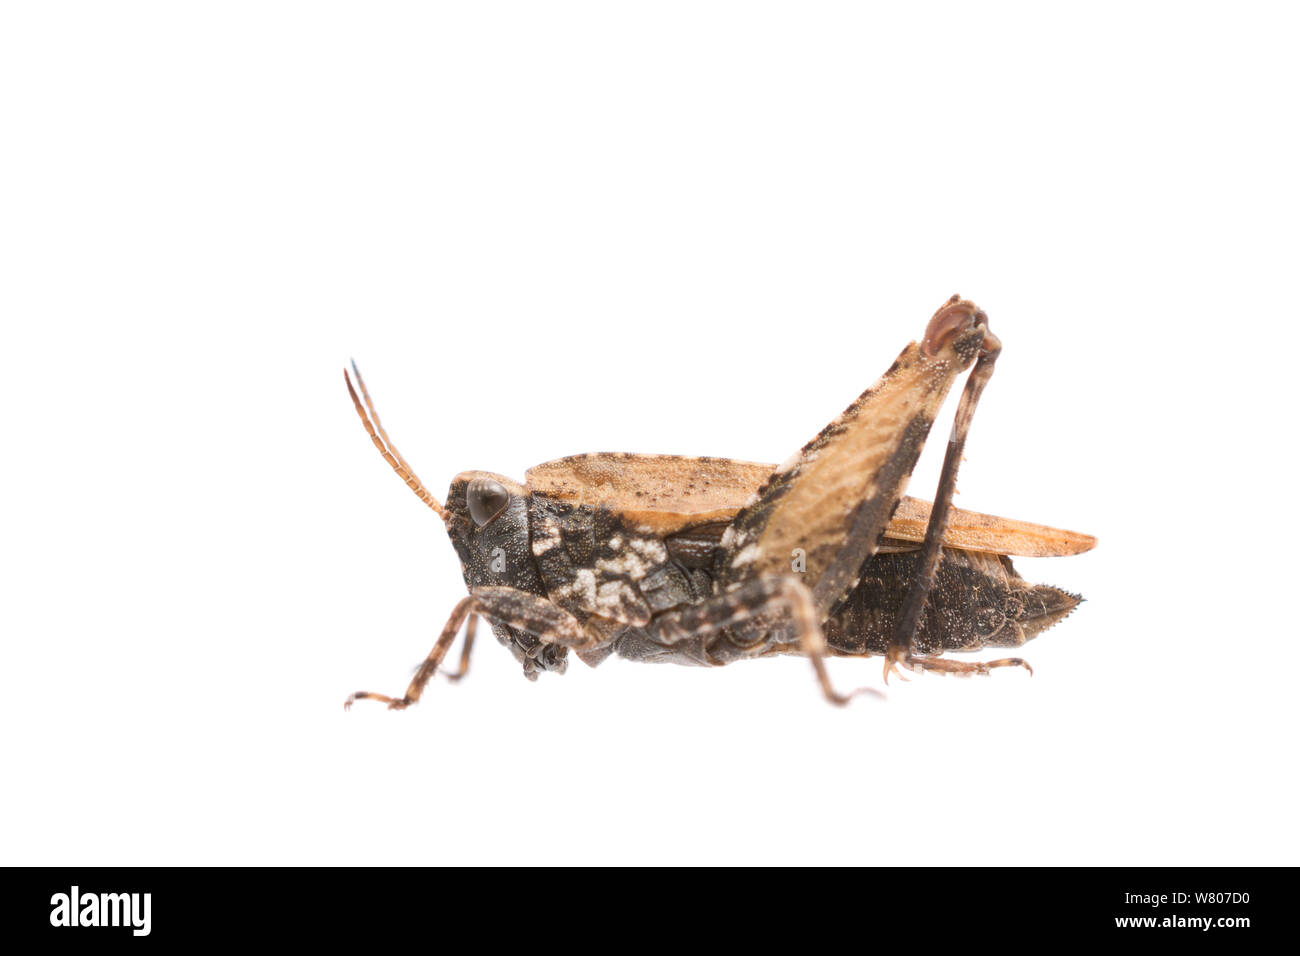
708, 561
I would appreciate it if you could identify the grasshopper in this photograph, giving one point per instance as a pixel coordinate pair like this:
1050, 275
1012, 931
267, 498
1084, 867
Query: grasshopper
707, 561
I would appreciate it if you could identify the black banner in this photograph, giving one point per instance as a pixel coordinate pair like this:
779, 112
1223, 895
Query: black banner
384, 907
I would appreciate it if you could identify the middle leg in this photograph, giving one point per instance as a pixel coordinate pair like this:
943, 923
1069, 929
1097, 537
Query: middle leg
785, 597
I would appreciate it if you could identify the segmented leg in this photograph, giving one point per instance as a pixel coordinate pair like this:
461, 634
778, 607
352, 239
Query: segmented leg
829, 503
900, 649
519, 609
471, 626
943, 665
784, 595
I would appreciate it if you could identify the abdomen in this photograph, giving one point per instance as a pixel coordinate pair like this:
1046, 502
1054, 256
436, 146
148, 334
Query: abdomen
978, 600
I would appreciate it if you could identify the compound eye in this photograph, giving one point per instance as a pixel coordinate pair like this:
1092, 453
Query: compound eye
486, 499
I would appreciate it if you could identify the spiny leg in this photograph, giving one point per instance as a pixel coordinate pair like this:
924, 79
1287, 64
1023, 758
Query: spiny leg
427, 669
759, 596
471, 626
900, 648
943, 665
519, 609
832, 499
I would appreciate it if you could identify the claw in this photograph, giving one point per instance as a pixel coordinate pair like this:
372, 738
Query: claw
893, 657
394, 703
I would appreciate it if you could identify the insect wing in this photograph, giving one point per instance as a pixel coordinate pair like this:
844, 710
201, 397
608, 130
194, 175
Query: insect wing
673, 493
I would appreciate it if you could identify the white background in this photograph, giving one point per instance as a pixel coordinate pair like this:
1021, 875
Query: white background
697, 228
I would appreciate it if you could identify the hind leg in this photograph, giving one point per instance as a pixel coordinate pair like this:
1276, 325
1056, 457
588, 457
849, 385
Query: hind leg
900, 651
944, 665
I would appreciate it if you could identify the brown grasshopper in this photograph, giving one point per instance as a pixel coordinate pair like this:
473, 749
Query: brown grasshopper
708, 561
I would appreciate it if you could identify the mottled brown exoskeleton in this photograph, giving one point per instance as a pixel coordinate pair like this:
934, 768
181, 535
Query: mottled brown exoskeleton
709, 561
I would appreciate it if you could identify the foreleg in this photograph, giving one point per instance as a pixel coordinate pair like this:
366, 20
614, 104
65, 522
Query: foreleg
519, 609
